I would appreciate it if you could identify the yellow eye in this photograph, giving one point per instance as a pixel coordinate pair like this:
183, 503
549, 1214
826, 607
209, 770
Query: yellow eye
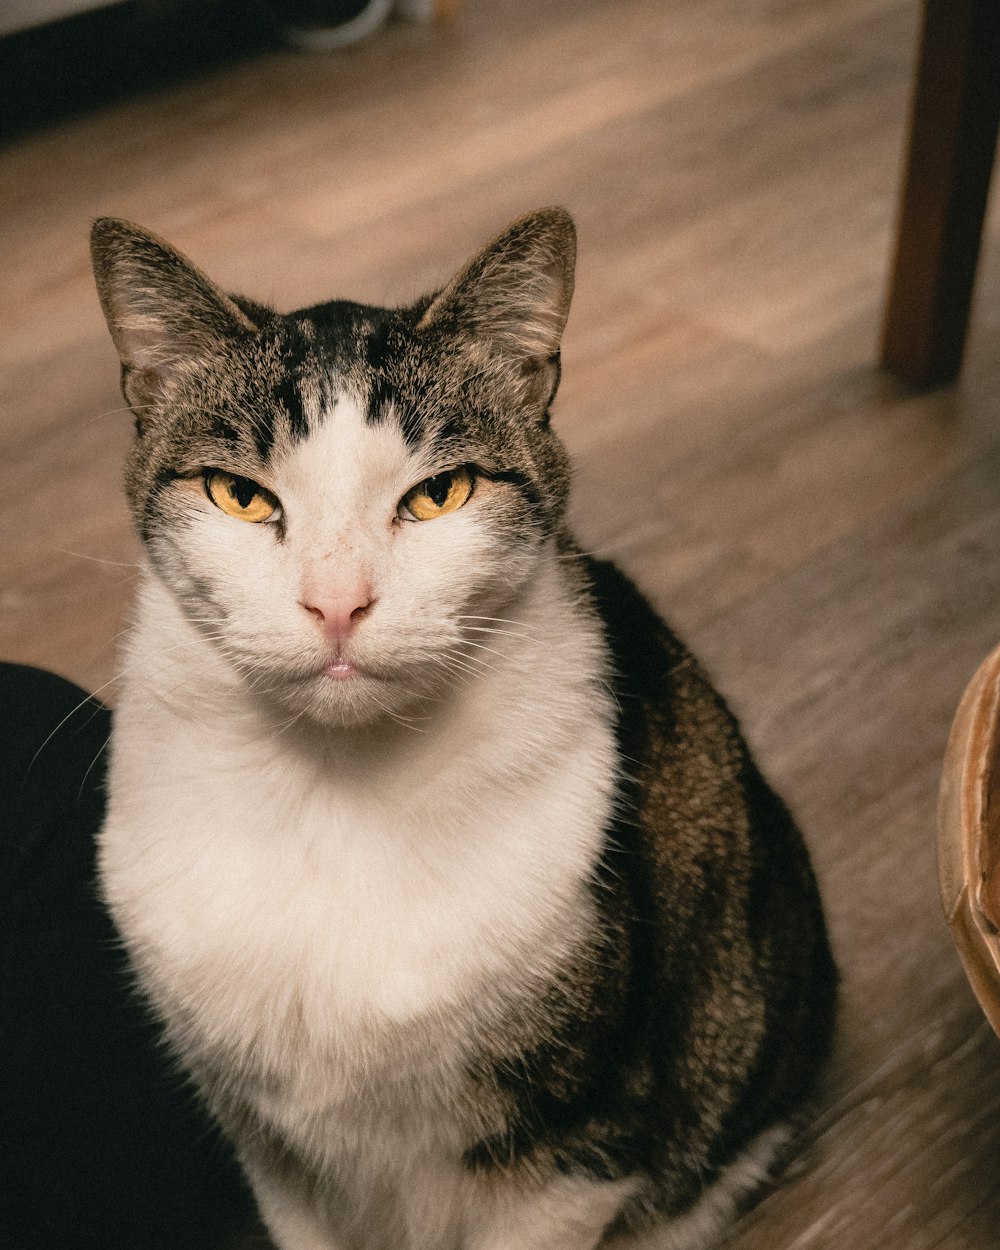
240, 497
437, 495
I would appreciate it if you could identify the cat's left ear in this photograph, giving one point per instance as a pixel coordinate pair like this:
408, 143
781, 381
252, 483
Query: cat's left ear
513, 300
164, 314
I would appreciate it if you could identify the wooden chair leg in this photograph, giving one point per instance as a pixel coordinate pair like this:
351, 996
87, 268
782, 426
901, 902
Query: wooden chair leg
953, 135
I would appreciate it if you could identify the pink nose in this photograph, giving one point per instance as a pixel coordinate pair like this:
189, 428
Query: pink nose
339, 612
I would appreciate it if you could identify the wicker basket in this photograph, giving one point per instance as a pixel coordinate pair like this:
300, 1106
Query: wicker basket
969, 834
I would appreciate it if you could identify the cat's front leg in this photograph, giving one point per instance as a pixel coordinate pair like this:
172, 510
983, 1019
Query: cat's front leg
567, 1214
292, 1222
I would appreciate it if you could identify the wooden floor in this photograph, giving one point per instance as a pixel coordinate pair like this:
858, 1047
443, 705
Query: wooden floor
829, 544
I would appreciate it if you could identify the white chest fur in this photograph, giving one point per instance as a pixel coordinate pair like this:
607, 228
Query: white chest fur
291, 899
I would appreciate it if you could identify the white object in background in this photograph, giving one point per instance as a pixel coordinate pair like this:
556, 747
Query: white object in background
21, 14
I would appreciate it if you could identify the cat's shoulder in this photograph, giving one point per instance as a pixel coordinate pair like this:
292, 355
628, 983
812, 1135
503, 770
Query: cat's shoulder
650, 664
670, 717
639, 638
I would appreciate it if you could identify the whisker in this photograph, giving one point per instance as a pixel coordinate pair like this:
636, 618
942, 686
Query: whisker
491, 629
501, 620
73, 711
80, 555
482, 647
92, 697
116, 412
450, 662
90, 766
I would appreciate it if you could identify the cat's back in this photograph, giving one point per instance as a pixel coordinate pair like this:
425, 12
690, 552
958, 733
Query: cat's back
690, 782
729, 924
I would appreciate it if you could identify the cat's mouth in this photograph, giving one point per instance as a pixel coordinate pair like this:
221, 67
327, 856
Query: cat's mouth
342, 670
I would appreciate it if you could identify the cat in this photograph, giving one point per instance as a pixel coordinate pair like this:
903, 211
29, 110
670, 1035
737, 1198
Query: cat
441, 862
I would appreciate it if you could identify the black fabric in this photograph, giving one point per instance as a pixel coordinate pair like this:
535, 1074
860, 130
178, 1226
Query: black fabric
102, 1144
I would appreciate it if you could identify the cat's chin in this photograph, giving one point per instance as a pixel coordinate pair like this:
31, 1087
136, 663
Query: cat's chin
343, 694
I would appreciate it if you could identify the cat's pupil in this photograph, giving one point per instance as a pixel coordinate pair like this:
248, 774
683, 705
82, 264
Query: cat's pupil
437, 488
243, 491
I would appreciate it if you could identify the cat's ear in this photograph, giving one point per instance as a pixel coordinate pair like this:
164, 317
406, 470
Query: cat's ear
513, 300
164, 314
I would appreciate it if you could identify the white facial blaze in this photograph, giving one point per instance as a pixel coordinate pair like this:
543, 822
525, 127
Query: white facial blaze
340, 488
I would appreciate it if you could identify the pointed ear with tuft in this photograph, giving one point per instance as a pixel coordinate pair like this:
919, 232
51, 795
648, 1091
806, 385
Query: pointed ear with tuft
163, 313
513, 300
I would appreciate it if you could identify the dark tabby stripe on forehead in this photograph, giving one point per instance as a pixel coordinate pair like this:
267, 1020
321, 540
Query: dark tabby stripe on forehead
288, 409
409, 404
377, 349
383, 398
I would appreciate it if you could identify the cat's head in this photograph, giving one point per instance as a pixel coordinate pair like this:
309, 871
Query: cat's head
340, 498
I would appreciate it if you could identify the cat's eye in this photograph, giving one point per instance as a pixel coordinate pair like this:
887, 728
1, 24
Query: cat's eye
241, 497
435, 496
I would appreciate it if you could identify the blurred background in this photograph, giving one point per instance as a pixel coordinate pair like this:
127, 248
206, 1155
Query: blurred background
826, 538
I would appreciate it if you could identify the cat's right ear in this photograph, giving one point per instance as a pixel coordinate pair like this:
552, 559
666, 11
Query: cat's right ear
163, 313
512, 300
